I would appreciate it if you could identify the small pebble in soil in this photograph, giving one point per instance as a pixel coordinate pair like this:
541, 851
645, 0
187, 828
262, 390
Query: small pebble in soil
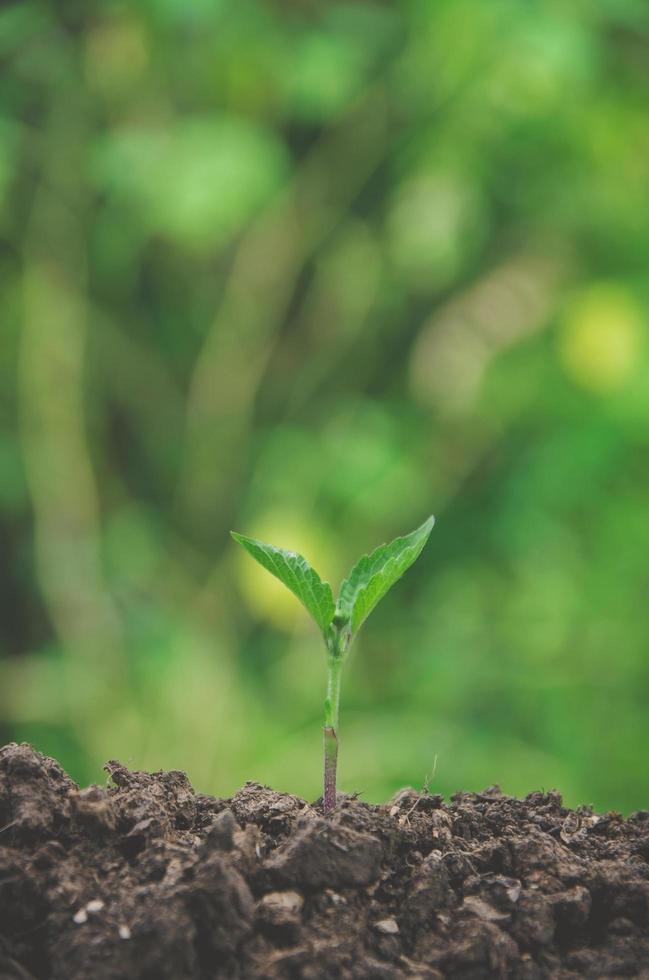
388, 926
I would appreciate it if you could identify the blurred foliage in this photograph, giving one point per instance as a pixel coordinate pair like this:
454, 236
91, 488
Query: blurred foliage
312, 271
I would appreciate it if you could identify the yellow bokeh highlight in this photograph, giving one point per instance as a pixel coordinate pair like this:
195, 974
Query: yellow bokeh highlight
601, 337
267, 598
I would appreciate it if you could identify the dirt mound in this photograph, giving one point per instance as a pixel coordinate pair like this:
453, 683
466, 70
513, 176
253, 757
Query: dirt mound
147, 880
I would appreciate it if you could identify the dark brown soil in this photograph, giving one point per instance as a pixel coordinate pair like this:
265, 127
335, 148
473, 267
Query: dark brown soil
147, 880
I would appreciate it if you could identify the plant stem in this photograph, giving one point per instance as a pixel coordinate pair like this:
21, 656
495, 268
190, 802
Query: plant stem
332, 705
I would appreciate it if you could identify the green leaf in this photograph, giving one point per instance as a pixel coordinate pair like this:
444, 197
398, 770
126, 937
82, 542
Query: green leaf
375, 574
297, 575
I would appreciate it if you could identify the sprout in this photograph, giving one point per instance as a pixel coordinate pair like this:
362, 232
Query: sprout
364, 587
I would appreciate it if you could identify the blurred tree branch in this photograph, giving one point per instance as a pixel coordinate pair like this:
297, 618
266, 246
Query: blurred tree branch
264, 273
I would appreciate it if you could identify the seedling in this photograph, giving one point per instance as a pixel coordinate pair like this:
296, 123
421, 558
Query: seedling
339, 622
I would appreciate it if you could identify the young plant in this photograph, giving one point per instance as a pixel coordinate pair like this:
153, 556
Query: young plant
364, 587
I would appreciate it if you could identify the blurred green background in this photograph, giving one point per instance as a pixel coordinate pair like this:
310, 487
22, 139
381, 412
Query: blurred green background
313, 271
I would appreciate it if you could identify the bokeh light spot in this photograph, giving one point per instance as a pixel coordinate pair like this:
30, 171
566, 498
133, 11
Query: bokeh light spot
601, 337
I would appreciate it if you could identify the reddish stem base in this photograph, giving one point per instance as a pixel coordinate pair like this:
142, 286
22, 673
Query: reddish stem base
330, 764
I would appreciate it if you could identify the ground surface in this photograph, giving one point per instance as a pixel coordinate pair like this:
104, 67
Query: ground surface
147, 880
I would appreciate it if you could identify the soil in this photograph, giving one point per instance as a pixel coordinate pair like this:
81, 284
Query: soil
147, 880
